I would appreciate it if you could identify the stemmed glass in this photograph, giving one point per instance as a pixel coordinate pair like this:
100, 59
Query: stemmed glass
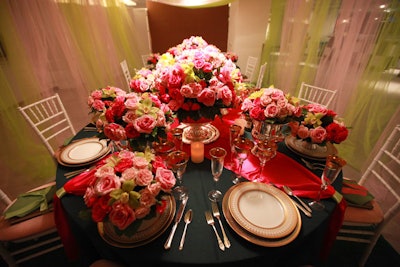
243, 146
177, 160
332, 168
264, 151
217, 164
162, 148
234, 132
177, 135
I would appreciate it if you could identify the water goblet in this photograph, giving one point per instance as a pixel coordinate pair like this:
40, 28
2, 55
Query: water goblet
162, 148
234, 132
264, 151
243, 146
217, 165
332, 168
177, 136
177, 160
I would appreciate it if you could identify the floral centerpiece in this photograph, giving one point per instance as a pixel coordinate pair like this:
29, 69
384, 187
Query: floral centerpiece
271, 105
128, 187
137, 118
319, 125
152, 60
194, 78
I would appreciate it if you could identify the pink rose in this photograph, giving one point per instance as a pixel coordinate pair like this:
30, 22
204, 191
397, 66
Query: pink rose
98, 105
147, 198
318, 135
225, 94
207, 97
115, 132
145, 124
121, 215
128, 174
143, 177
142, 212
100, 208
271, 110
166, 178
105, 184
303, 132
140, 162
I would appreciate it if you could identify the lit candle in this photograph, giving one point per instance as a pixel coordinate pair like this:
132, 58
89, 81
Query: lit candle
197, 152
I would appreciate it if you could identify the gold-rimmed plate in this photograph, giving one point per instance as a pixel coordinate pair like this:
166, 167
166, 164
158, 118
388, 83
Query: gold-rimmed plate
265, 242
148, 231
84, 151
262, 210
319, 153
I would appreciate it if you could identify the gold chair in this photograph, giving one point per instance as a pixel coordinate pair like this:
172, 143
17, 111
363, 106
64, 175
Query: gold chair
310, 94
382, 178
50, 121
27, 237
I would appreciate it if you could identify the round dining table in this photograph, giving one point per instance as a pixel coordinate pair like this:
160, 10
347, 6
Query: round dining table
201, 247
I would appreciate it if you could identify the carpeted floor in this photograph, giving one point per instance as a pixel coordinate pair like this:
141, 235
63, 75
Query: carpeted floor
344, 254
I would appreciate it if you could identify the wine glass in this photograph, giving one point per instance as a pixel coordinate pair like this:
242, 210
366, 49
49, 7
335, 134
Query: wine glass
177, 135
264, 151
234, 132
217, 165
243, 147
332, 168
162, 148
177, 160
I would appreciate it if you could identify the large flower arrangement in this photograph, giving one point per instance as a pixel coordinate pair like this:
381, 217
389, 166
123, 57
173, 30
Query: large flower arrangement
138, 118
194, 78
129, 186
271, 105
319, 125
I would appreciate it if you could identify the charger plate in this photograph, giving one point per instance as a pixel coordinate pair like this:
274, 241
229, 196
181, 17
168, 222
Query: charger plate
148, 231
210, 133
84, 150
262, 210
255, 239
319, 154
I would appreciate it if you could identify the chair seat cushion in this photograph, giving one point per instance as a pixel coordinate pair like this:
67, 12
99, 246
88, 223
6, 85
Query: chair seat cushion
26, 228
361, 215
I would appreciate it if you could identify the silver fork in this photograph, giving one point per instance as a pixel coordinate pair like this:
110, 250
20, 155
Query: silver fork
210, 221
313, 166
217, 215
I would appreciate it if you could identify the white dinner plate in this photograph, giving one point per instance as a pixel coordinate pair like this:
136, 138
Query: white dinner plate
255, 239
263, 210
84, 150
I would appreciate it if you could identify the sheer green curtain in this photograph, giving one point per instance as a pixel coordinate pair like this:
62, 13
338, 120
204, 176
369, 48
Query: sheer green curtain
377, 98
68, 47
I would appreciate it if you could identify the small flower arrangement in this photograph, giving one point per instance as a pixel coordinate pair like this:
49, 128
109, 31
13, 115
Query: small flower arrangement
232, 56
194, 79
129, 187
271, 105
319, 125
137, 118
152, 60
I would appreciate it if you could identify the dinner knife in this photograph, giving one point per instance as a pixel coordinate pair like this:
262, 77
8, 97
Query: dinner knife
178, 218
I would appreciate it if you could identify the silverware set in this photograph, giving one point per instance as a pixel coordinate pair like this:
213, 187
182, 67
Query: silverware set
210, 220
178, 218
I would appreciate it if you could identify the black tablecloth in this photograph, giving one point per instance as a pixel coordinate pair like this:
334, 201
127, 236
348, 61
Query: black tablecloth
201, 247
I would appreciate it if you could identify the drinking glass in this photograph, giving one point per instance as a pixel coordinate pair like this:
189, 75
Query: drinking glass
162, 148
217, 165
177, 160
243, 147
264, 151
332, 168
177, 136
234, 132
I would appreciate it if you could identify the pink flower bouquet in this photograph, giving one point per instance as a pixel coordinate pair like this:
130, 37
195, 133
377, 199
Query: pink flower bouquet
319, 125
271, 105
128, 187
194, 79
137, 118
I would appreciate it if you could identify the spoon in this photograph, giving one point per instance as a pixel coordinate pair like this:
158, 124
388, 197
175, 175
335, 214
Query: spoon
289, 191
188, 219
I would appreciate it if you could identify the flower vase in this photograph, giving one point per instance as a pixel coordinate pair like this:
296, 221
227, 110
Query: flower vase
264, 130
